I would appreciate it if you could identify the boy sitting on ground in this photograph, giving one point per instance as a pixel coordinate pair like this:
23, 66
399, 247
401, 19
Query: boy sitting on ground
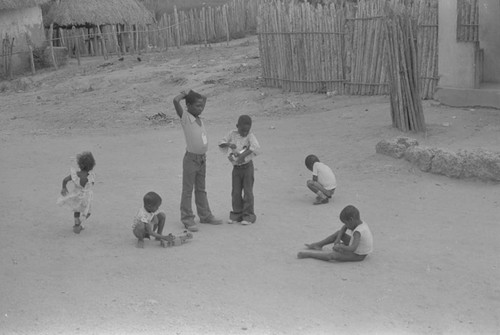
346, 248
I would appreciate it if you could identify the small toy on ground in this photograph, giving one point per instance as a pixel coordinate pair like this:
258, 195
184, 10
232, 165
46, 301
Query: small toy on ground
177, 240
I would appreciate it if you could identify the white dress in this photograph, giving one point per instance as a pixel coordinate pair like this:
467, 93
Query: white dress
78, 198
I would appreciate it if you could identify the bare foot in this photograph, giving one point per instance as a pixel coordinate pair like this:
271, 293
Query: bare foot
313, 246
301, 255
140, 244
78, 228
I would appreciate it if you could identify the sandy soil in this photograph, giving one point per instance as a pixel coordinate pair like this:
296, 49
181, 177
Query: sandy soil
435, 268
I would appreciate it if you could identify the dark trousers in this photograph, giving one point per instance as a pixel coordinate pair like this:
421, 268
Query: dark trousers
242, 193
194, 169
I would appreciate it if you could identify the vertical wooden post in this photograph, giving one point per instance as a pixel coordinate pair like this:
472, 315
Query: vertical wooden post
51, 32
103, 44
77, 44
130, 34
61, 38
92, 41
177, 33
147, 38
204, 23
85, 49
115, 40
226, 22
32, 61
10, 47
137, 47
4, 58
30, 48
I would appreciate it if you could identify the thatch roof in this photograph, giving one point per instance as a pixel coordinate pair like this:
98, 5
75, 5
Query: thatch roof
68, 13
16, 4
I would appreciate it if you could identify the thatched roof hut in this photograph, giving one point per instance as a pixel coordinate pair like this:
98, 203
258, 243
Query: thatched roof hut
17, 4
88, 13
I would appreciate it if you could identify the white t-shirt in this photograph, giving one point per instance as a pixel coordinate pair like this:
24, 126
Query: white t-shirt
195, 134
242, 143
366, 241
143, 216
325, 175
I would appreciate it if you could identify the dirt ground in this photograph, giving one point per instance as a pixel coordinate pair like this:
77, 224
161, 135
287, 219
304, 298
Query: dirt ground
435, 268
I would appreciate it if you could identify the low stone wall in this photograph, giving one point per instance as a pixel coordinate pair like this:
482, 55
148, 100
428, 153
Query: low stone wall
481, 164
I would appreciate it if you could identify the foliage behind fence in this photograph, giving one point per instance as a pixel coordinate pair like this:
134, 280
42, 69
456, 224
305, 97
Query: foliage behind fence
339, 47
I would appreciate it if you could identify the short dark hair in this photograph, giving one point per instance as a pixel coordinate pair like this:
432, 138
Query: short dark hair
192, 97
245, 119
86, 161
348, 213
152, 198
310, 160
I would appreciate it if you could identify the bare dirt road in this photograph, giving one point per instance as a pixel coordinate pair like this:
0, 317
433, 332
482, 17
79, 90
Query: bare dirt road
435, 267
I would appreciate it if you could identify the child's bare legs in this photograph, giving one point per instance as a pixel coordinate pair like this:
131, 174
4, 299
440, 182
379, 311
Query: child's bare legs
158, 222
329, 240
140, 232
77, 227
322, 194
316, 187
334, 255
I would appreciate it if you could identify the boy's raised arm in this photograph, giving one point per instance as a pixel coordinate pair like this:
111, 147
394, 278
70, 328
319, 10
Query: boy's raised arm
177, 103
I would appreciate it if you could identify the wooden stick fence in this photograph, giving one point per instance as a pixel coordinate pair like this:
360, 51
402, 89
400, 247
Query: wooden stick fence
196, 26
367, 56
427, 38
7, 47
406, 105
339, 47
288, 40
467, 20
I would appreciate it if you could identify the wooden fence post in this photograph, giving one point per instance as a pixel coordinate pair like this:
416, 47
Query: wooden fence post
226, 22
115, 40
30, 48
103, 44
77, 44
147, 38
137, 46
51, 32
177, 33
10, 48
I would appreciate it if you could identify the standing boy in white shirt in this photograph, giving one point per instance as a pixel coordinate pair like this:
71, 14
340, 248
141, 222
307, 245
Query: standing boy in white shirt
346, 247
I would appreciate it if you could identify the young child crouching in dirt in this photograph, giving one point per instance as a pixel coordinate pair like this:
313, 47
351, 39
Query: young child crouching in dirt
323, 181
346, 248
149, 221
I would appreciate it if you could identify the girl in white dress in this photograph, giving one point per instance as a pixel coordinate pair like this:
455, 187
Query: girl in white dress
79, 196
